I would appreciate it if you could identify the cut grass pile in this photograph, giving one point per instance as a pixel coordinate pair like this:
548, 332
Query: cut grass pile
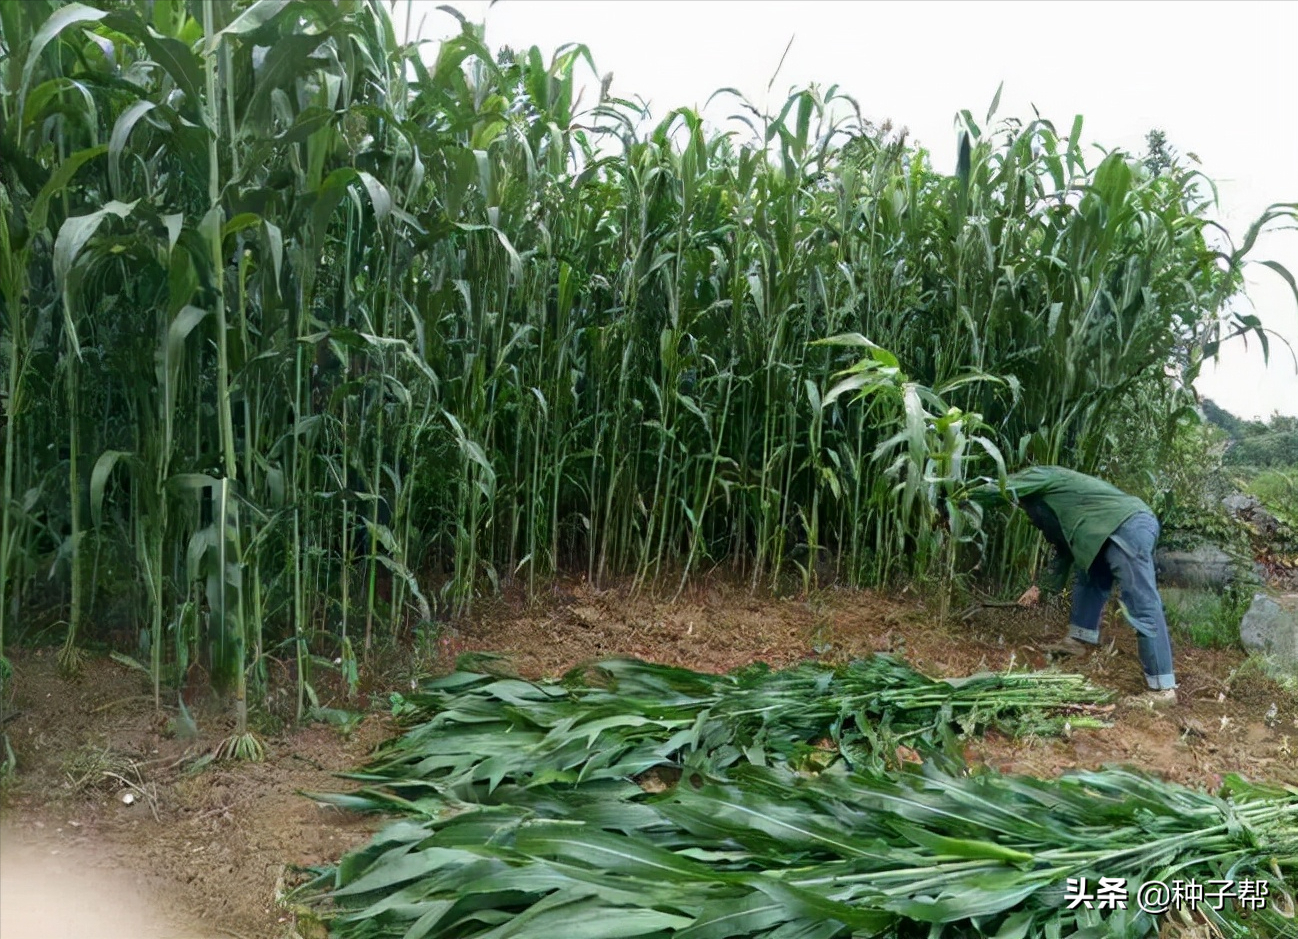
524, 820
472, 731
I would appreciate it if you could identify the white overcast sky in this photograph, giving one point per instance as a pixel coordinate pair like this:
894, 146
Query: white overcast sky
1220, 78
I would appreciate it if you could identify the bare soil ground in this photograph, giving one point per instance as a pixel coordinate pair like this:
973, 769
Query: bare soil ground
204, 851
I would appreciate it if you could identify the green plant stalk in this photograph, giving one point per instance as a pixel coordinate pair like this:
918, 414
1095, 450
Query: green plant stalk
704, 498
214, 224
74, 491
371, 570
12, 277
534, 502
149, 538
344, 534
225, 416
298, 472
255, 609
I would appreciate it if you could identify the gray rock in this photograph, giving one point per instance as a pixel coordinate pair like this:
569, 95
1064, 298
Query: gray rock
1205, 566
1238, 503
1253, 513
1271, 626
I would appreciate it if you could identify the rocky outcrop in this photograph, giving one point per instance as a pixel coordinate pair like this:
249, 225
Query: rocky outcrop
1205, 566
1248, 509
1271, 627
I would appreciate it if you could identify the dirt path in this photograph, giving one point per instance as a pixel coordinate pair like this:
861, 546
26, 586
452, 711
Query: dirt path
38, 878
209, 848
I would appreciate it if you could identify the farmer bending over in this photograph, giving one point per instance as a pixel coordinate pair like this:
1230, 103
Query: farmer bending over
1106, 535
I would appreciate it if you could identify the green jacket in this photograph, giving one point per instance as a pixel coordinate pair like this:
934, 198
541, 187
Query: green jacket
1089, 510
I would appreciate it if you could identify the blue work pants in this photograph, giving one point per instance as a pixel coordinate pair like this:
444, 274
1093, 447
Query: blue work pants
1128, 558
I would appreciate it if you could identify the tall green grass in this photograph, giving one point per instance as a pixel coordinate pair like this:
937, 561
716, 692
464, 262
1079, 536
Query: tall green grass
1207, 619
1278, 491
332, 339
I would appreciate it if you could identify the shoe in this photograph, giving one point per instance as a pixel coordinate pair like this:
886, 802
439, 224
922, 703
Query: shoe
1154, 699
1068, 647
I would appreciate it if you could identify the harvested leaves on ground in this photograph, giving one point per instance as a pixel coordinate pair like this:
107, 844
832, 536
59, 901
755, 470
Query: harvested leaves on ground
934, 852
470, 732
524, 818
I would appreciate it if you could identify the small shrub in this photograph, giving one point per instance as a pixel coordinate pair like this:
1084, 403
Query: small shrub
1278, 490
1206, 619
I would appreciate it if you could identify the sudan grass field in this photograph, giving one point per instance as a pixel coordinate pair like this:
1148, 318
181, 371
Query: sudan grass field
316, 343
310, 341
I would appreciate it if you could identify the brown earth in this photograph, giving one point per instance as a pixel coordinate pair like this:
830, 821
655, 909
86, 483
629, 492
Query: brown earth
207, 849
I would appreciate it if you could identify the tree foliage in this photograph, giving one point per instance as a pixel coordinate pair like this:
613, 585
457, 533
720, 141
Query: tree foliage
1257, 444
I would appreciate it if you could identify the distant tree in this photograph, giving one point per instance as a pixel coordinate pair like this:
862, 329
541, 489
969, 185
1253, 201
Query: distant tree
1216, 414
1269, 444
1283, 423
1267, 450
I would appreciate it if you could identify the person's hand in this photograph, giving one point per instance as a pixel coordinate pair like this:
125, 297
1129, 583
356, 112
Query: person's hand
1031, 596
